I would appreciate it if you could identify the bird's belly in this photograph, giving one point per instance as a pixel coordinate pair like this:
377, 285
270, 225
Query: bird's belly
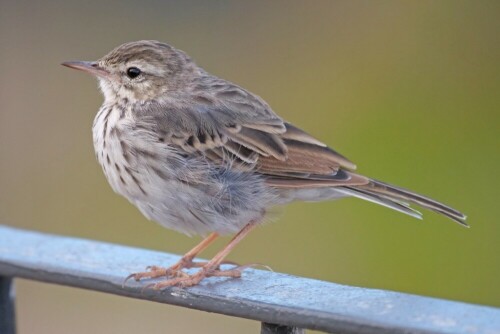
187, 195
221, 201
211, 201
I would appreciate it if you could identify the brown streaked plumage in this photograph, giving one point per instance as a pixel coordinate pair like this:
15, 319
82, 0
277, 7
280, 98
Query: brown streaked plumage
202, 155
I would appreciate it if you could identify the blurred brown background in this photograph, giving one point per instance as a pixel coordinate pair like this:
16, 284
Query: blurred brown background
407, 90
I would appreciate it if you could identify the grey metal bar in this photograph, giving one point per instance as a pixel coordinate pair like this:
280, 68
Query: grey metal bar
260, 295
7, 314
279, 329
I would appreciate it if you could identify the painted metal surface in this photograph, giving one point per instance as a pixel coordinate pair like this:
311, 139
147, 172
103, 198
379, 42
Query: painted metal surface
279, 329
268, 297
7, 317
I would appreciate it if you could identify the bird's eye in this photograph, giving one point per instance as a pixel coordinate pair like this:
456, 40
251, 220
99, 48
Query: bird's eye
133, 72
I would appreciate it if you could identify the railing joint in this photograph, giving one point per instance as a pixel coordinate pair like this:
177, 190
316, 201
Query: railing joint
267, 328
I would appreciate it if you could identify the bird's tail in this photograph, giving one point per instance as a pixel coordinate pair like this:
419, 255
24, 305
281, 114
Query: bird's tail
399, 199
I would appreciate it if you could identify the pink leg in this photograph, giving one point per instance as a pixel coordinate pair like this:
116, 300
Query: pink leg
211, 267
185, 262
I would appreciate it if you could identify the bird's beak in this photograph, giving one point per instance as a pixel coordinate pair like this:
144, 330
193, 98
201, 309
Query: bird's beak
87, 66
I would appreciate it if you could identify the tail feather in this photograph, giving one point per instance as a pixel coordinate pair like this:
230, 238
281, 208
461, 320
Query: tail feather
381, 200
398, 198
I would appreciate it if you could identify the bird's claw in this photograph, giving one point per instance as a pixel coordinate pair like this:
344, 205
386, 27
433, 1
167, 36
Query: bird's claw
177, 277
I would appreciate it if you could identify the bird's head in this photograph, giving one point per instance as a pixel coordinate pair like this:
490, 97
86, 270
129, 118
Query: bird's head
140, 71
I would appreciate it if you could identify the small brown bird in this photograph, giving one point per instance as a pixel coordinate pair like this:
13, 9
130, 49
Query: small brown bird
201, 155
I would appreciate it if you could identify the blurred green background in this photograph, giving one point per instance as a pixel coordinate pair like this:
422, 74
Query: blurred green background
409, 90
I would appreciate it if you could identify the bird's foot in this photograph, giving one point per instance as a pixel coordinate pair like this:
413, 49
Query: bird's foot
207, 269
184, 280
174, 271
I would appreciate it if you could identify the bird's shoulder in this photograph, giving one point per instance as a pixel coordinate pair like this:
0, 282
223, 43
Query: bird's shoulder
222, 96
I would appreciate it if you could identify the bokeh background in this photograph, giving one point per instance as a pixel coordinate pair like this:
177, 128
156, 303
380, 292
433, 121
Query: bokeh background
409, 90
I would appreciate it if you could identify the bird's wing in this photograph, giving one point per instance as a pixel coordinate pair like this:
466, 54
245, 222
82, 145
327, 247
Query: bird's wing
224, 122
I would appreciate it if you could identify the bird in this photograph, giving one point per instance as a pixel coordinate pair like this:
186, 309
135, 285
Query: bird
203, 156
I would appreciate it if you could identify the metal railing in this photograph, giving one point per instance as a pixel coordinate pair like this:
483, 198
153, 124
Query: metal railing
283, 303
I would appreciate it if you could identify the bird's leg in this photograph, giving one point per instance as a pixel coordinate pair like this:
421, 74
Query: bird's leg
211, 267
175, 270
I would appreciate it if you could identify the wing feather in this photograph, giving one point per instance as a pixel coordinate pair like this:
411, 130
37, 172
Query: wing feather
225, 123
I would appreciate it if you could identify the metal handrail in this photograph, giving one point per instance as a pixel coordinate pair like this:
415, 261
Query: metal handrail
283, 303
